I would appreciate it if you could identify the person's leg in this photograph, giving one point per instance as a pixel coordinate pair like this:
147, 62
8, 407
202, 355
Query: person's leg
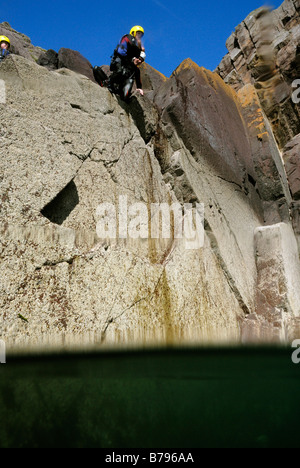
115, 78
100, 76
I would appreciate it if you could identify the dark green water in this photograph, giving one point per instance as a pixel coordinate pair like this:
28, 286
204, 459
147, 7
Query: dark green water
189, 398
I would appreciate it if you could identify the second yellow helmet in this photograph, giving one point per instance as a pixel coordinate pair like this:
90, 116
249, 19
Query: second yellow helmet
136, 29
4, 39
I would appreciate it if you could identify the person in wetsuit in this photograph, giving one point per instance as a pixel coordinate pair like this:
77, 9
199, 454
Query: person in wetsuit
127, 58
4, 47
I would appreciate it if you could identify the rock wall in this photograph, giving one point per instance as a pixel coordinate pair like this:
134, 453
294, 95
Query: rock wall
264, 51
264, 57
67, 146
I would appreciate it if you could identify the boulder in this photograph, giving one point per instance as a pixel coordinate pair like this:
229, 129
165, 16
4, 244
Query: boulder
151, 79
49, 60
278, 294
73, 60
205, 114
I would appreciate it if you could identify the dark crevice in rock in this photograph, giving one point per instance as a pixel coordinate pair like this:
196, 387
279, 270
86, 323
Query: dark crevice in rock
78, 107
251, 180
286, 20
75, 106
48, 263
58, 210
230, 182
236, 43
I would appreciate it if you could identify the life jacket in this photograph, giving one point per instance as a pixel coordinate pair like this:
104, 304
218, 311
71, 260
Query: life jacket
133, 49
4, 53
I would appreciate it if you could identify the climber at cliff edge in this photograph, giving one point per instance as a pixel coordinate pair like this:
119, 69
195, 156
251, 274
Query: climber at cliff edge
4, 47
128, 56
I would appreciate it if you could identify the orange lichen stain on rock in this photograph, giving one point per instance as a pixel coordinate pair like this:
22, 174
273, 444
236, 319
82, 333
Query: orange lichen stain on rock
248, 96
212, 79
144, 67
258, 123
261, 136
249, 100
187, 64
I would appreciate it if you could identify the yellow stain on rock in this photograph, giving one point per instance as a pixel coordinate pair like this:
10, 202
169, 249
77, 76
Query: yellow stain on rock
145, 67
213, 79
248, 97
249, 100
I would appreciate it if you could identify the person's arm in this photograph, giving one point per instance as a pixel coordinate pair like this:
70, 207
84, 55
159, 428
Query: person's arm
139, 81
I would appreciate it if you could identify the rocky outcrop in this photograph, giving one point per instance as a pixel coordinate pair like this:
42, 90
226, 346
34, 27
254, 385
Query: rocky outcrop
264, 51
66, 58
262, 65
60, 282
67, 146
151, 79
20, 43
73, 60
278, 294
291, 154
49, 59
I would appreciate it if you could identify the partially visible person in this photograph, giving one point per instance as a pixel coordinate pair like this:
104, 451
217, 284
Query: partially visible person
4, 47
127, 57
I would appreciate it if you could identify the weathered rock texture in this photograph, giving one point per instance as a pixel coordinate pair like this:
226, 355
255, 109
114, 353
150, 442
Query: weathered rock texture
264, 51
20, 44
263, 66
278, 293
67, 146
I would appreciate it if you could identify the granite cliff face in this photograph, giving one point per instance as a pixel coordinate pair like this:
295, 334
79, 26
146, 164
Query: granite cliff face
68, 146
264, 51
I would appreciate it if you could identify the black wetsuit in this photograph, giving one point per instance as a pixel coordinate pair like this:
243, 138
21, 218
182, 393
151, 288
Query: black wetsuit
122, 65
3, 54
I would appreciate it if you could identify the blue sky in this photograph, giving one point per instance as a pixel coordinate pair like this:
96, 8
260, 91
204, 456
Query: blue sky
175, 30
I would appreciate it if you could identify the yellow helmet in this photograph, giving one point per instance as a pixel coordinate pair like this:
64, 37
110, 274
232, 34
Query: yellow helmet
4, 39
136, 29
